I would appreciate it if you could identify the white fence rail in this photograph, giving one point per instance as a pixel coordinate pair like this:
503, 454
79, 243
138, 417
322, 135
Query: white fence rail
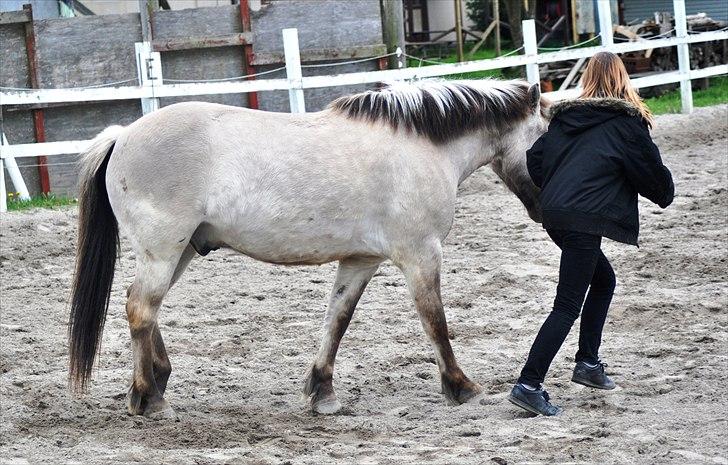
151, 84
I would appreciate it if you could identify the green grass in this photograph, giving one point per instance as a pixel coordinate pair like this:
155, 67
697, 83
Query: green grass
39, 201
482, 54
716, 94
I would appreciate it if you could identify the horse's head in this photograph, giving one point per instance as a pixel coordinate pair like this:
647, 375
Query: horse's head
510, 158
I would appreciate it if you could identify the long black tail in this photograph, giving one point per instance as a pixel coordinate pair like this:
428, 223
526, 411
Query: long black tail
96, 252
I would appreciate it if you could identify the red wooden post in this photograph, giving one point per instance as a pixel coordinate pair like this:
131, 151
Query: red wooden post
248, 47
38, 120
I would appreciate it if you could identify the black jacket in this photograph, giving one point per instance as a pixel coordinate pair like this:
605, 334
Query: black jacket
596, 156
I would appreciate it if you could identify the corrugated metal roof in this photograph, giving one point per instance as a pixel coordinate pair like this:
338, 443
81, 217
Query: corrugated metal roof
644, 9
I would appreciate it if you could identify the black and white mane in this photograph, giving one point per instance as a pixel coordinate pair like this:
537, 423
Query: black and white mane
441, 110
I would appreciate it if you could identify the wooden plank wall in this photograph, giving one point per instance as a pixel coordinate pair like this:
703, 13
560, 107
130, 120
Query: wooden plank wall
88, 50
321, 24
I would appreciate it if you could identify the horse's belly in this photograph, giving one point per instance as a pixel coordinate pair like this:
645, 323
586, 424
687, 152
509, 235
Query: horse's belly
314, 245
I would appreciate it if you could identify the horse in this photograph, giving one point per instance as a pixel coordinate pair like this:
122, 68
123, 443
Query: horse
372, 177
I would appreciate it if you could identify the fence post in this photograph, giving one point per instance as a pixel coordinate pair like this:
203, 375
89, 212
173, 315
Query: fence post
605, 22
530, 46
14, 172
683, 56
3, 192
149, 72
293, 70
393, 30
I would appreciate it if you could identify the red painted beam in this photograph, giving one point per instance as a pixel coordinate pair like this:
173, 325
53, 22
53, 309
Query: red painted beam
38, 120
249, 68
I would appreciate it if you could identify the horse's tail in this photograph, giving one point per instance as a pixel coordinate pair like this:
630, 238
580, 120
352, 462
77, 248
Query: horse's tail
96, 251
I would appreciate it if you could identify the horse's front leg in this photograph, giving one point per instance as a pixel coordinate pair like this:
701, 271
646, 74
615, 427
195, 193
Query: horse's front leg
422, 271
352, 277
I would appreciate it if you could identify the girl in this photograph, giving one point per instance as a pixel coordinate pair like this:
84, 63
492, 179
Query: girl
596, 156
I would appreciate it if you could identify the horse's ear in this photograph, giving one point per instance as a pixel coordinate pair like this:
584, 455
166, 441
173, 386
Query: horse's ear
534, 97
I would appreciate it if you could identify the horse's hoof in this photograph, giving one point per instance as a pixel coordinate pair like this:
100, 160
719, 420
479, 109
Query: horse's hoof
476, 397
326, 406
166, 414
159, 410
472, 393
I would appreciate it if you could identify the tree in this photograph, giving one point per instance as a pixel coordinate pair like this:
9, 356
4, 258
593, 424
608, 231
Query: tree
514, 10
479, 12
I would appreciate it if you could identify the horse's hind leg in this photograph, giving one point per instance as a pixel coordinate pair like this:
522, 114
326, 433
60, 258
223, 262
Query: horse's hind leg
153, 279
422, 271
187, 255
160, 361
352, 277
160, 364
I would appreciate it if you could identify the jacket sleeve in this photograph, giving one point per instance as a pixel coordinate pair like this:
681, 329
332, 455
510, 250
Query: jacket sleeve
645, 170
534, 161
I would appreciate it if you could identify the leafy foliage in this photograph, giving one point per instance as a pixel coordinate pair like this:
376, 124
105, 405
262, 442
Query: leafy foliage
479, 12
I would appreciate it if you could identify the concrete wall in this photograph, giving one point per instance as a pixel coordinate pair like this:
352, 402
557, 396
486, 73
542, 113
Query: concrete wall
82, 51
106, 7
441, 17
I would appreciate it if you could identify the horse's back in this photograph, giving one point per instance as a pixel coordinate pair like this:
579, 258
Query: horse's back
279, 187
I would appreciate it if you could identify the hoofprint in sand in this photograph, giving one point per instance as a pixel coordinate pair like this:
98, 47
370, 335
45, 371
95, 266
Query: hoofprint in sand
241, 334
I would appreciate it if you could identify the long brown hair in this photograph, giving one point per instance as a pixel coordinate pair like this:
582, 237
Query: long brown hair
605, 76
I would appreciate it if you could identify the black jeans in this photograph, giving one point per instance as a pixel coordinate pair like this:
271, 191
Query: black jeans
583, 265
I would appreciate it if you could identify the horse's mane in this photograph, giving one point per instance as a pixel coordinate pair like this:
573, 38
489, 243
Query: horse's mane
441, 110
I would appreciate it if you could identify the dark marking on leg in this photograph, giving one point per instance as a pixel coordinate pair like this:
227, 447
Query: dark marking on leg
162, 367
317, 379
144, 396
155, 300
351, 280
143, 387
455, 385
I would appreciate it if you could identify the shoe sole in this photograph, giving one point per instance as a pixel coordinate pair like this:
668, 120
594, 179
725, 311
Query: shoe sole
528, 408
591, 385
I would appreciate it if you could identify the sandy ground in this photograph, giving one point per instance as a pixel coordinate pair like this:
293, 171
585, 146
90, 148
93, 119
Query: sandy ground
241, 334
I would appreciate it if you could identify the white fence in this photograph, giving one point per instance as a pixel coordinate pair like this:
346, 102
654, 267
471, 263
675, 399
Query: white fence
151, 84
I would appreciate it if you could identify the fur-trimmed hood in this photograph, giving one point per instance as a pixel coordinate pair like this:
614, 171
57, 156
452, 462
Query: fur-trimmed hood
609, 103
582, 114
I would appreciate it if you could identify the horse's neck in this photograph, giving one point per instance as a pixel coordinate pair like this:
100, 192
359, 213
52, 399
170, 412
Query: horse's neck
470, 152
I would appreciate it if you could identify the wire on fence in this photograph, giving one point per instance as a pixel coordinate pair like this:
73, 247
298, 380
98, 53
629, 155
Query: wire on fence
558, 49
235, 78
35, 165
350, 62
663, 34
92, 86
433, 62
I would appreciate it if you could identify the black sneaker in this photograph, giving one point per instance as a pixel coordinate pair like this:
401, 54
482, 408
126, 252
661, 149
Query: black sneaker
535, 401
593, 377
